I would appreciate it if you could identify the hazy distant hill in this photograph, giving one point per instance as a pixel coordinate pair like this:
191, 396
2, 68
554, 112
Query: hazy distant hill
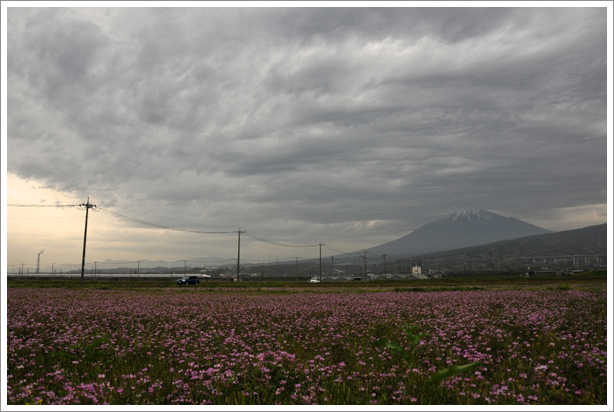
150, 264
591, 240
458, 230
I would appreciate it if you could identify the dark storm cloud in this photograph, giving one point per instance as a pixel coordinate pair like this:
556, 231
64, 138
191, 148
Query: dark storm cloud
294, 119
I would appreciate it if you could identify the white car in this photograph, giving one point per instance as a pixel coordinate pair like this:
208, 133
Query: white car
314, 280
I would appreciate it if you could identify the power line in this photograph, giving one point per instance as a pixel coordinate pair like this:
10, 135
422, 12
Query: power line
153, 233
155, 225
15, 205
336, 250
72, 217
161, 217
261, 239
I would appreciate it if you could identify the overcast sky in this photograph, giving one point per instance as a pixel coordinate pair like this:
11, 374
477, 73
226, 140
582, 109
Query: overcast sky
346, 126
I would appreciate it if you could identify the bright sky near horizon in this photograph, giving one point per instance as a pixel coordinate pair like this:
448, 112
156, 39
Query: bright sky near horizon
351, 127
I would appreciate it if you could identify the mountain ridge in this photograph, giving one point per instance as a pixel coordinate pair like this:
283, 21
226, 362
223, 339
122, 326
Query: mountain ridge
458, 230
590, 240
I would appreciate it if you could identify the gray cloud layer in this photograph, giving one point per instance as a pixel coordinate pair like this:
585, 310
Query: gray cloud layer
302, 122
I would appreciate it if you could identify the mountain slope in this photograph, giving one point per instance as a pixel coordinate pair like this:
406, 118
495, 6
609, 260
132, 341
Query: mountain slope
458, 230
592, 240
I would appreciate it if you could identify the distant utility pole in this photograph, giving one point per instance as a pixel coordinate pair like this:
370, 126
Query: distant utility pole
297, 268
239, 253
332, 259
88, 206
365, 266
95, 271
321, 260
385, 267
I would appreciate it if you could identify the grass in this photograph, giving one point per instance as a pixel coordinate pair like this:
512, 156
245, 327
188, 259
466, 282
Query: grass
306, 344
438, 289
143, 283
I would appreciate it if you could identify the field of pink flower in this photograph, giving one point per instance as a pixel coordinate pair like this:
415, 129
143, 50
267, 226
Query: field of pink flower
237, 347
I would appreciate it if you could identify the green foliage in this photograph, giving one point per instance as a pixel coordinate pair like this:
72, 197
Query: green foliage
414, 338
87, 352
601, 358
396, 347
591, 274
451, 371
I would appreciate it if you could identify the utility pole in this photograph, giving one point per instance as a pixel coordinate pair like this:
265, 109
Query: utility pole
385, 268
239, 253
297, 268
332, 259
365, 266
95, 271
88, 206
52, 269
138, 268
320, 261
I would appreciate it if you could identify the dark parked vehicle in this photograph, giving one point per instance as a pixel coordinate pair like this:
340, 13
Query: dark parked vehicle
188, 280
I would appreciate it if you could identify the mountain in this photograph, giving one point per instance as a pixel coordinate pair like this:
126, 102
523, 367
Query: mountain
458, 230
592, 240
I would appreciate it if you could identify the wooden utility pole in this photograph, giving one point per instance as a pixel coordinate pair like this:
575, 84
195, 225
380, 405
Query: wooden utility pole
365, 266
321, 244
239, 253
88, 206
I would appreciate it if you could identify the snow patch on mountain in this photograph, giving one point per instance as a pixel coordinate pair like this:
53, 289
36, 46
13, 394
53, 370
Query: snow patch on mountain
467, 216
